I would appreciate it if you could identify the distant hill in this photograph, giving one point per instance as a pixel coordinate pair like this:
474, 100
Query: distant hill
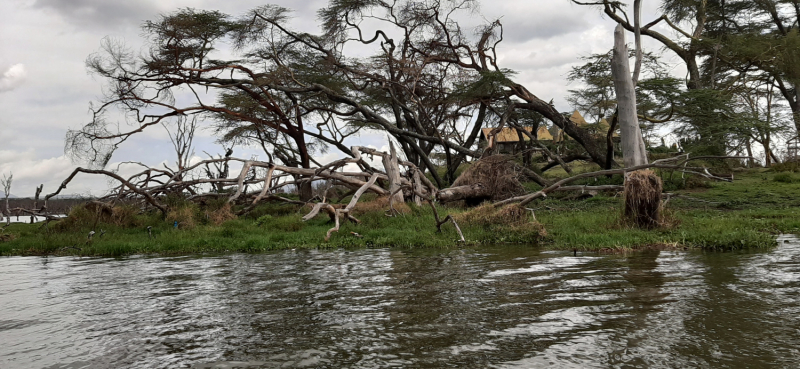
10, 196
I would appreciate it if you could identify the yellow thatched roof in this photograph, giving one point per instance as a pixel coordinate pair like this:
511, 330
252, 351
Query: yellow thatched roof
577, 118
604, 126
509, 134
601, 128
543, 134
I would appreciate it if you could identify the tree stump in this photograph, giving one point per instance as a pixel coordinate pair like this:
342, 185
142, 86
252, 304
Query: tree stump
643, 199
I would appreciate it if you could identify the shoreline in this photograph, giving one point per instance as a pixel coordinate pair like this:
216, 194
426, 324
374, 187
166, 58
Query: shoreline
748, 213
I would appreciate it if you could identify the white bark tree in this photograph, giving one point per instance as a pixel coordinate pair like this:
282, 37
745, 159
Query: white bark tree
633, 148
6, 184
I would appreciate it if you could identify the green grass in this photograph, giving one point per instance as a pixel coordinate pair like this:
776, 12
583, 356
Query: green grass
747, 213
415, 229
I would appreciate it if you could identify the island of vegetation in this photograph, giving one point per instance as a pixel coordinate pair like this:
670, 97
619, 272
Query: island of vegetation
473, 156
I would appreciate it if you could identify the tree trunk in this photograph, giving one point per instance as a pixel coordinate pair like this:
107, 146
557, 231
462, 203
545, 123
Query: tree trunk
767, 152
750, 162
476, 192
305, 191
642, 188
610, 140
8, 212
392, 168
633, 149
774, 157
796, 107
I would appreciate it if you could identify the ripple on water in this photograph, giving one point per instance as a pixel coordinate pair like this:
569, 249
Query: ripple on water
505, 307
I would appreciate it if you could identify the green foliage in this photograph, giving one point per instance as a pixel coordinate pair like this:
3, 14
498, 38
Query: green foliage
710, 118
656, 91
185, 35
264, 219
282, 223
788, 166
785, 178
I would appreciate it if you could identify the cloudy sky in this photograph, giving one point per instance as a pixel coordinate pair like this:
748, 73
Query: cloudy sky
45, 89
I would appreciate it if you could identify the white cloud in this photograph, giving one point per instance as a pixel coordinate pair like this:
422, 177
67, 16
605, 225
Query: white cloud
13, 77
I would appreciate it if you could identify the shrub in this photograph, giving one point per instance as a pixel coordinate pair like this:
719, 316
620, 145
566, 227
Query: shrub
183, 215
6, 237
785, 178
264, 219
273, 209
510, 222
286, 223
221, 215
125, 216
380, 204
789, 166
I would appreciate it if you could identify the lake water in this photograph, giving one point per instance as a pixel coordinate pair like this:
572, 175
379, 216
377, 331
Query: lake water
27, 218
507, 307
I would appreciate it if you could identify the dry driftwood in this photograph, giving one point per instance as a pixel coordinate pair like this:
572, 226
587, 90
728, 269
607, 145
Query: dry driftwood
148, 186
338, 213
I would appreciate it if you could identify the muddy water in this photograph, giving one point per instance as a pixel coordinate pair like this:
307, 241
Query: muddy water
490, 307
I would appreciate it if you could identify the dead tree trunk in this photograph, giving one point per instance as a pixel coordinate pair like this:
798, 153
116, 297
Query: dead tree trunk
473, 191
642, 188
390, 164
633, 149
6, 184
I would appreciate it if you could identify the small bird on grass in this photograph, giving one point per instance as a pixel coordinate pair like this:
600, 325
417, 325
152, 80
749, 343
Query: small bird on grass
150, 231
356, 234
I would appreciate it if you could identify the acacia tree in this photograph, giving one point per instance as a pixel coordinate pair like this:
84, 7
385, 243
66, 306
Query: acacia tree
430, 38
761, 118
178, 77
406, 81
759, 37
656, 94
182, 138
431, 88
690, 20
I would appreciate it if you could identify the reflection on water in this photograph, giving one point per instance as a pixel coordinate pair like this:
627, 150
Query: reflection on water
504, 308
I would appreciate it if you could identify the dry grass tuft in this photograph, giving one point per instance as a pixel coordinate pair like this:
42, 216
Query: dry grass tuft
497, 173
183, 215
510, 217
643, 199
221, 215
95, 212
6, 237
380, 204
124, 216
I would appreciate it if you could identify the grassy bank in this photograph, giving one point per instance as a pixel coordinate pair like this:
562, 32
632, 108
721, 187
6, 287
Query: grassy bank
746, 213
414, 228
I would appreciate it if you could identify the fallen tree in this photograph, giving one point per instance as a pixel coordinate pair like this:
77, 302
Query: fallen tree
495, 178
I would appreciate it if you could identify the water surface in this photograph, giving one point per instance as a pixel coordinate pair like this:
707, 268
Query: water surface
509, 307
